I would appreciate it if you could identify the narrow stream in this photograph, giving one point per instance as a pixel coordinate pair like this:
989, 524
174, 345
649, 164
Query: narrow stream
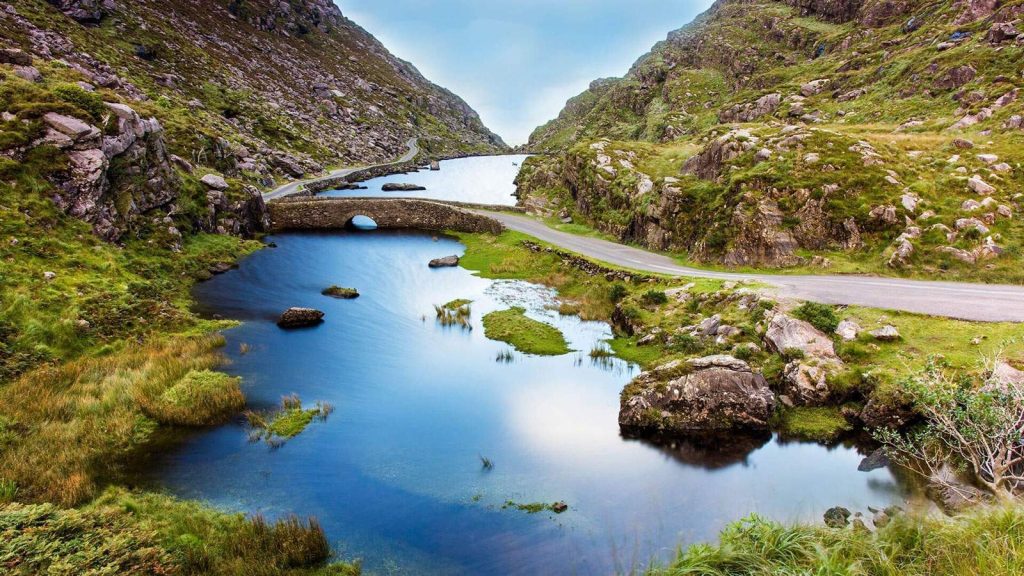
394, 474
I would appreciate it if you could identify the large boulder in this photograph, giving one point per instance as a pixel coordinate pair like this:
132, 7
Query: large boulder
300, 318
749, 111
700, 396
786, 334
805, 378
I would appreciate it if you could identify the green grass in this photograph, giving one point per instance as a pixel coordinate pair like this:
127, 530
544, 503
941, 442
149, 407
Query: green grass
986, 541
525, 334
287, 422
201, 397
86, 417
131, 533
819, 424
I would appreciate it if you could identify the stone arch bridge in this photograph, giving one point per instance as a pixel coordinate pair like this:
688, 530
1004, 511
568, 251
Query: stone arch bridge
321, 213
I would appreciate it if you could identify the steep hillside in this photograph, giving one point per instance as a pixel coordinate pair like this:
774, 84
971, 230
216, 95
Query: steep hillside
858, 136
154, 125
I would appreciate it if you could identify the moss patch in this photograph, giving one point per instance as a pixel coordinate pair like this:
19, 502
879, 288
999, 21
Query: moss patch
820, 424
525, 334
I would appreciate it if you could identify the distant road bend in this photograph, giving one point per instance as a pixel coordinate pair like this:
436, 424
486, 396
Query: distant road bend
981, 302
296, 186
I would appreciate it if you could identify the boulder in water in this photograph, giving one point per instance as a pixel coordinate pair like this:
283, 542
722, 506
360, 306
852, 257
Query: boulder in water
393, 187
447, 261
300, 318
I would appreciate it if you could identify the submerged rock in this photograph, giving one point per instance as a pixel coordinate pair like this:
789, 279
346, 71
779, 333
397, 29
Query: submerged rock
447, 261
710, 394
300, 317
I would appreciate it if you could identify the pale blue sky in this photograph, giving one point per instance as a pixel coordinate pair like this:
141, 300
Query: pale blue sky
517, 61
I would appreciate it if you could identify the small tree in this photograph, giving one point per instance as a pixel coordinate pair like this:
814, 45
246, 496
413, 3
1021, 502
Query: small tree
974, 428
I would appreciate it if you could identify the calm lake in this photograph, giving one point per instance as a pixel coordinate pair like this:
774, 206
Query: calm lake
394, 474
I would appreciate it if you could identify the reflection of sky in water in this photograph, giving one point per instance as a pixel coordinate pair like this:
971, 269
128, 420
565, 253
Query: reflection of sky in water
394, 475
480, 179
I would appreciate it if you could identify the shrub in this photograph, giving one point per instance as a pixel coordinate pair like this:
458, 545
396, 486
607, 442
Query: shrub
654, 297
617, 292
821, 316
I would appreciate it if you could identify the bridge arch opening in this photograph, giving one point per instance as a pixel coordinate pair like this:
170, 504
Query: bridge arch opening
361, 222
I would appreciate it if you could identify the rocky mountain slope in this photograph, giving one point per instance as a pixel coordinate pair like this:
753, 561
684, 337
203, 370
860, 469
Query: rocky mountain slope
856, 136
151, 124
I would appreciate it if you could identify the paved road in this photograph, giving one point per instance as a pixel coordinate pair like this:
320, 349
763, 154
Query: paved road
293, 187
984, 302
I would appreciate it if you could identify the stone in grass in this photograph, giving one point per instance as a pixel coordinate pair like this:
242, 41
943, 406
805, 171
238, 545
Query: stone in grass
340, 292
300, 318
447, 261
887, 333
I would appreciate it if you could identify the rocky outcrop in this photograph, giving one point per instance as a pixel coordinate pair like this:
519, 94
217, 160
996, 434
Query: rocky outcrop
749, 111
116, 179
700, 396
85, 11
813, 359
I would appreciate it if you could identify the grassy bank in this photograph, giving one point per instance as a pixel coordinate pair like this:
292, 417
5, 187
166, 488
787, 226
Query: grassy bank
987, 541
128, 533
871, 364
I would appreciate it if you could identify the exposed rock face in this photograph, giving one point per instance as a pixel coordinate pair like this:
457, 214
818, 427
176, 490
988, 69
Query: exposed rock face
88, 190
300, 318
701, 396
85, 11
749, 111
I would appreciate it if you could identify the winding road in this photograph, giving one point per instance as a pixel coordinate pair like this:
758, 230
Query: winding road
296, 186
982, 302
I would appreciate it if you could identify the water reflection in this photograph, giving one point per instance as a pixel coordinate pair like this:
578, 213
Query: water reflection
395, 476
711, 452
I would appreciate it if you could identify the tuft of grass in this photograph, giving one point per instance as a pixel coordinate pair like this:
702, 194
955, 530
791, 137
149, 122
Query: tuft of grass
505, 357
286, 423
525, 334
200, 398
455, 313
486, 463
819, 424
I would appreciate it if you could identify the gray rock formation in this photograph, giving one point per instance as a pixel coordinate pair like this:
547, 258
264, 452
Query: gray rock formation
700, 396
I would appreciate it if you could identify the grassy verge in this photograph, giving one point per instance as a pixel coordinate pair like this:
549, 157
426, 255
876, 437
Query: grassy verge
525, 334
988, 541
